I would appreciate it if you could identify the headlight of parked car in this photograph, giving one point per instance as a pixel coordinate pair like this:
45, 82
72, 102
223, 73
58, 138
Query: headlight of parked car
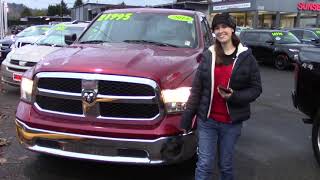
175, 99
294, 50
26, 89
307, 66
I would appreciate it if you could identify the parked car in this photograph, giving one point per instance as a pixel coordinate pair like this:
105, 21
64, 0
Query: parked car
305, 95
22, 59
315, 30
7, 43
239, 29
277, 47
117, 93
17, 28
305, 35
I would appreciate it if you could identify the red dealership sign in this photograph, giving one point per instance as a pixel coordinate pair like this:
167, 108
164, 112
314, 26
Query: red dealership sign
303, 6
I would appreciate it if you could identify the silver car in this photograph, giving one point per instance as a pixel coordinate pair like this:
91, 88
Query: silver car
21, 59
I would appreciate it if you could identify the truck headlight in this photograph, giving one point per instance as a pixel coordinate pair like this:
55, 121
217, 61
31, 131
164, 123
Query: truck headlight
26, 89
175, 99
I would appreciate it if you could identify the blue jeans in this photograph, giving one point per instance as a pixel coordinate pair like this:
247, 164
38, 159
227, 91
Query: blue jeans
213, 135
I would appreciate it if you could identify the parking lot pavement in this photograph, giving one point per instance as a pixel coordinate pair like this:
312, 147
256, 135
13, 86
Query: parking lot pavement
274, 145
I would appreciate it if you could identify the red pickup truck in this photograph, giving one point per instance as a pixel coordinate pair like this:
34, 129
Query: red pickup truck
117, 93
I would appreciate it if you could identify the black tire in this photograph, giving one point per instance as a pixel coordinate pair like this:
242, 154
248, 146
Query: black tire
316, 140
281, 62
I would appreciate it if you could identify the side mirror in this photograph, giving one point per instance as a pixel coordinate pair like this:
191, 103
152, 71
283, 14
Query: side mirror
270, 42
69, 39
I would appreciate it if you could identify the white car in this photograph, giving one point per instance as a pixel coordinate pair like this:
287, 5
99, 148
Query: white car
21, 59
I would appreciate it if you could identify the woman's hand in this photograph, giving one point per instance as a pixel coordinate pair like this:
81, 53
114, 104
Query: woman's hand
224, 94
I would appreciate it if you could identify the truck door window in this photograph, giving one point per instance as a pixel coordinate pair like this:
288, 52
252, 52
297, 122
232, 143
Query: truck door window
206, 36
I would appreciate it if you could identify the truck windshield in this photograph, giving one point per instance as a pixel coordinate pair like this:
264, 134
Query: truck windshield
148, 28
56, 35
285, 38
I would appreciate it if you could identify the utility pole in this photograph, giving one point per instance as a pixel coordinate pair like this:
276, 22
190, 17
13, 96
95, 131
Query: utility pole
3, 18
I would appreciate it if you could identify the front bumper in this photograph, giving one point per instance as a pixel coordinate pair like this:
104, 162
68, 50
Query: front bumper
164, 150
7, 76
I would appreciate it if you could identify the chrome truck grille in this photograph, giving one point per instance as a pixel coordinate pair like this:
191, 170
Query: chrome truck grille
100, 96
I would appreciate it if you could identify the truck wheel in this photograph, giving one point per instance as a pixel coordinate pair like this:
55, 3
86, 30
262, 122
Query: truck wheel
281, 62
316, 140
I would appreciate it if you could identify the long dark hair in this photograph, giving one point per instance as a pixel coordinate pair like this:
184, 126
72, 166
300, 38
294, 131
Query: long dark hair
218, 48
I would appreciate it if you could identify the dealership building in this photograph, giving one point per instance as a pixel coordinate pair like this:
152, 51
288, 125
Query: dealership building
270, 13
252, 13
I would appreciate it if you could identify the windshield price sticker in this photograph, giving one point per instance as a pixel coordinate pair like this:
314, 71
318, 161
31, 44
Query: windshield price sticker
60, 27
318, 32
115, 17
181, 18
277, 34
45, 28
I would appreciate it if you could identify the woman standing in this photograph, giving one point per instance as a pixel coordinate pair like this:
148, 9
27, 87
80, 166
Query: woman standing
226, 82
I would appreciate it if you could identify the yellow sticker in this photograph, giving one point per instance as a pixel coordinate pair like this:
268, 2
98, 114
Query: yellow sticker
180, 18
45, 28
277, 34
60, 27
318, 32
115, 17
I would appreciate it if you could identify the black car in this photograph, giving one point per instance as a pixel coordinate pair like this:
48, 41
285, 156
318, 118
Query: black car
273, 46
306, 93
306, 36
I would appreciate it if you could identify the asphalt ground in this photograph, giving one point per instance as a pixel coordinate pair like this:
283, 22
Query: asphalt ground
275, 145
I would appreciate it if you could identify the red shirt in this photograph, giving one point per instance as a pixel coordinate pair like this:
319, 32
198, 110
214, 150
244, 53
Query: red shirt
219, 112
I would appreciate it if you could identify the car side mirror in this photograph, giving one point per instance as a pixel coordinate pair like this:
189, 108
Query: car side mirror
270, 42
69, 39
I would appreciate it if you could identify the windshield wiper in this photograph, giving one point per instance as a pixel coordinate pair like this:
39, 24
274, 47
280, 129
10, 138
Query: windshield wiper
48, 44
93, 42
150, 42
45, 44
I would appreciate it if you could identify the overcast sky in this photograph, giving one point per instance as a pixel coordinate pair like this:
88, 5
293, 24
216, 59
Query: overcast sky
44, 3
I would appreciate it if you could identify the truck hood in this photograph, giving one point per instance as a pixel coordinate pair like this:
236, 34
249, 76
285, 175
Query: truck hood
168, 66
32, 53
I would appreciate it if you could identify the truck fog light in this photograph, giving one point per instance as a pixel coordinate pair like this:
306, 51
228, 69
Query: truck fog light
26, 89
175, 99
172, 149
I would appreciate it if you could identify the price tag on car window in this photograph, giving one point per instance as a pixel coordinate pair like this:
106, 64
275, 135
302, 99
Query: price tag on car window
182, 18
115, 17
277, 34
